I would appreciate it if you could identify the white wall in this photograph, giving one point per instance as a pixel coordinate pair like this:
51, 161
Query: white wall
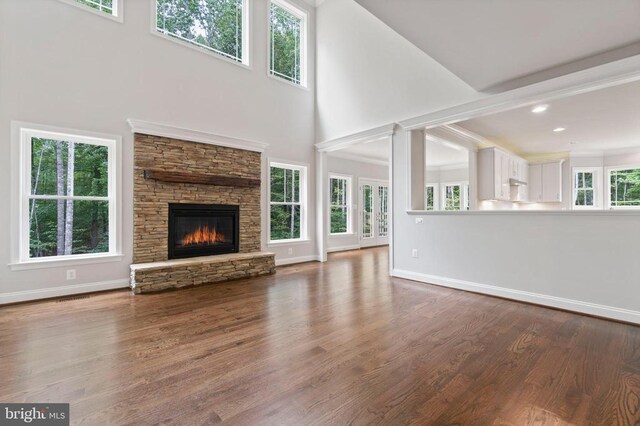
62, 66
575, 260
368, 75
357, 170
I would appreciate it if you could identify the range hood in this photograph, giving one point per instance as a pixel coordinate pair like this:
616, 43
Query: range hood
516, 182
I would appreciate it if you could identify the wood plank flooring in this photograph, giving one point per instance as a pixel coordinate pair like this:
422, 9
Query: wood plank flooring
340, 343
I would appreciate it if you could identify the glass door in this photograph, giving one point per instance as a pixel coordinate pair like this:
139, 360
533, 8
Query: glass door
374, 213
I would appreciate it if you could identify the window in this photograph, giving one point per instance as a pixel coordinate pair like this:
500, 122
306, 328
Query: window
624, 187
431, 195
455, 196
452, 196
586, 188
219, 26
106, 8
383, 211
287, 58
67, 196
367, 211
287, 218
466, 197
340, 190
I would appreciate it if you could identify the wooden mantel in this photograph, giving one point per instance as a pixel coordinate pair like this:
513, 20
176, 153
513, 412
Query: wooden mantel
201, 179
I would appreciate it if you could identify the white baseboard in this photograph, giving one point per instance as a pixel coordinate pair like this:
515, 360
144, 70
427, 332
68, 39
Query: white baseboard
292, 260
46, 293
343, 248
604, 311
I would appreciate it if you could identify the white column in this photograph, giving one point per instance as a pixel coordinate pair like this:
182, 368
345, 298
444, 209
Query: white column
264, 202
416, 168
322, 205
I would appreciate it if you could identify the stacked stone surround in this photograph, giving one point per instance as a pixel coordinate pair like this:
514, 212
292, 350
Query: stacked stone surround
151, 199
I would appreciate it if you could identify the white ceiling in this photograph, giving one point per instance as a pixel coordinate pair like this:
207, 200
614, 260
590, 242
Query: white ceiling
438, 155
495, 45
606, 119
372, 151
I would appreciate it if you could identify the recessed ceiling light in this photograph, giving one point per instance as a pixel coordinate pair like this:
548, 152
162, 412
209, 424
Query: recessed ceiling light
559, 129
540, 108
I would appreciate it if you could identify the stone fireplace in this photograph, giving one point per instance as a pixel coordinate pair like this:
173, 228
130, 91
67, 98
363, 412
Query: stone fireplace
196, 214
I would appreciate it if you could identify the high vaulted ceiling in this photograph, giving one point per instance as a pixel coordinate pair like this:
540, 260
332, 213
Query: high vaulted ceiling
602, 120
496, 45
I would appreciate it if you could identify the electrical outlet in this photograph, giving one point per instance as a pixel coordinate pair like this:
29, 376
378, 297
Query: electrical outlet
71, 274
290, 251
414, 253
419, 220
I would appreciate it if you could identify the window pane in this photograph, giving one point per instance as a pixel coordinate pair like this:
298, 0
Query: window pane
588, 197
91, 170
295, 186
452, 197
625, 188
286, 39
105, 6
213, 24
338, 220
467, 205
579, 180
58, 228
588, 180
50, 167
580, 197
338, 192
383, 208
285, 222
367, 211
277, 184
429, 199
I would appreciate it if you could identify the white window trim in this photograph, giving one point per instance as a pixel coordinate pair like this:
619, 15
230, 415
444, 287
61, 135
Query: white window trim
463, 195
349, 180
247, 18
597, 187
304, 204
21, 188
303, 14
607, 178
436, 196
118, 10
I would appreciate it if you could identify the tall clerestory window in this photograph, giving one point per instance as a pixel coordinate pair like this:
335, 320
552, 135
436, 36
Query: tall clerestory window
288, 43
106, 8
217, 26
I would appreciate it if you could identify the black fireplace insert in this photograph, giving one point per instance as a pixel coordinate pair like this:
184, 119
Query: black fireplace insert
203, 230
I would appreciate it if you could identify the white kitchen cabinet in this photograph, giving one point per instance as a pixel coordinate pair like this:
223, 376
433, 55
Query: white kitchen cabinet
545, 182
495, 168
520, 173
552, 182
535, 183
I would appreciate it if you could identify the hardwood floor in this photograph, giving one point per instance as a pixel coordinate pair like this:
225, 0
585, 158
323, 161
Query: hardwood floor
319, 344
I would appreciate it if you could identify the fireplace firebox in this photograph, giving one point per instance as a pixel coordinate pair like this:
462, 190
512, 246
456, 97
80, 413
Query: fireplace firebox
203, 230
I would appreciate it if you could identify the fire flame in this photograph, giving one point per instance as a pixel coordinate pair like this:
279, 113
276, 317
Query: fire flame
203, 235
